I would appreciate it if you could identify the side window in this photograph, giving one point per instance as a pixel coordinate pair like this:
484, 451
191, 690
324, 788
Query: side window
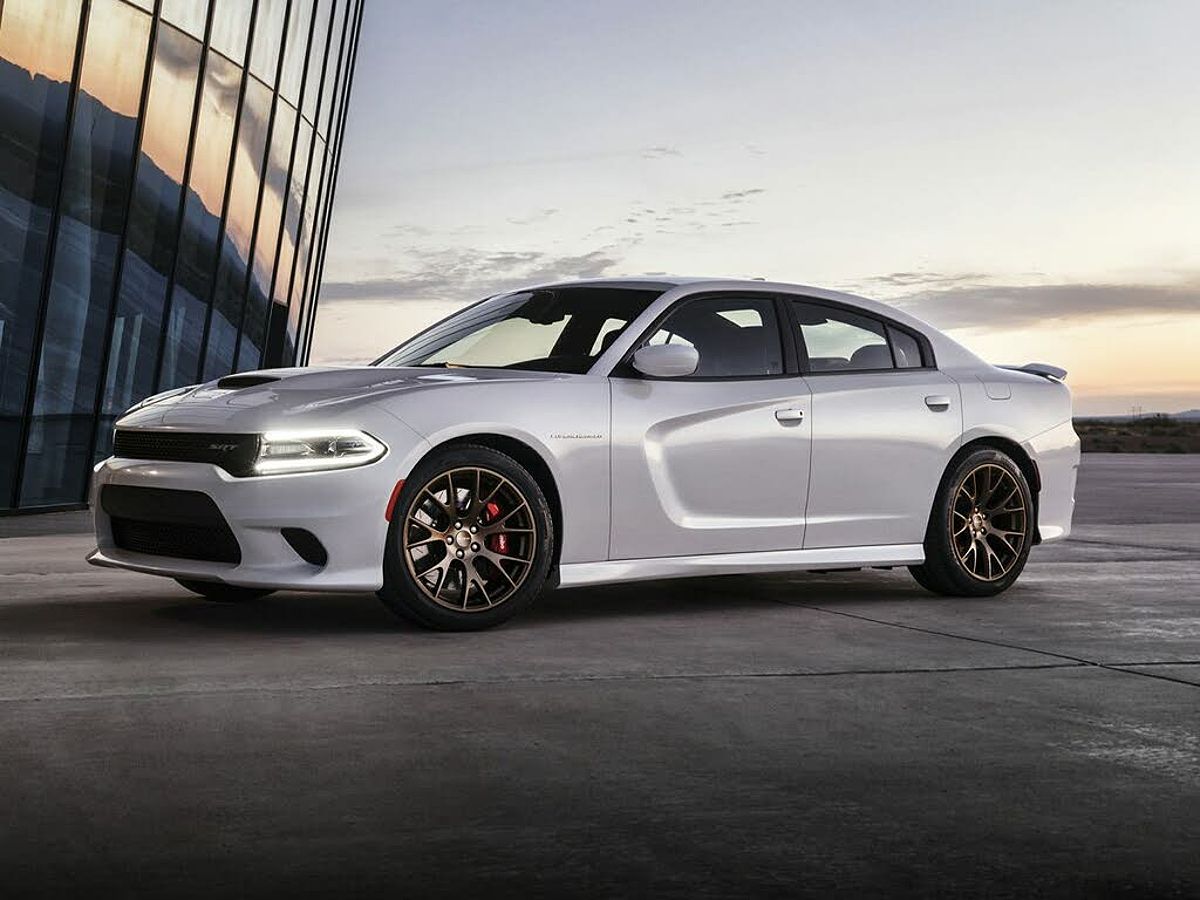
737, 337
841, 341
905, 348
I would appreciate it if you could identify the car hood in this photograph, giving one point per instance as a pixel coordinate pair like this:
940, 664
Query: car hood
276, 398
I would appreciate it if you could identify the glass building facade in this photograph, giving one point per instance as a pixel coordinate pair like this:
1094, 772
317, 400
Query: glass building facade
167, 168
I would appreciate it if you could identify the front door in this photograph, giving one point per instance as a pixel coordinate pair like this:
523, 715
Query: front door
716, 462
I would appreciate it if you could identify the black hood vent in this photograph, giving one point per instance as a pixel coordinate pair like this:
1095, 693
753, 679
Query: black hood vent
235, 382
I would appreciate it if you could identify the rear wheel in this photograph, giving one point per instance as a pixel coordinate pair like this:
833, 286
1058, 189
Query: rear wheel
470, 543
981, 528
223, 593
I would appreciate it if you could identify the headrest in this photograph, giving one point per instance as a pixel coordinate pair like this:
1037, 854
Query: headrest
872, 356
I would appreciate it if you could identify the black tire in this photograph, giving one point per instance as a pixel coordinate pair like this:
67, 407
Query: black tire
406, 595
223, 593
945, 571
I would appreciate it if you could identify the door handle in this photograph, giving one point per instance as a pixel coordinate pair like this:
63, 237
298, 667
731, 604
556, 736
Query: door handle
938, 402
789, 416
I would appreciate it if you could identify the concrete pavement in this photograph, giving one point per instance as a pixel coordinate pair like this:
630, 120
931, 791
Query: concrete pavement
781, 736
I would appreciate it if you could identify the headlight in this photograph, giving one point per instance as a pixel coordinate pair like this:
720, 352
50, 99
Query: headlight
312, 451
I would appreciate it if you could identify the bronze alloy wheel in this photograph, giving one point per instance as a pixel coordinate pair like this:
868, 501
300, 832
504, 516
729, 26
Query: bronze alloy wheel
988, 522
469, 539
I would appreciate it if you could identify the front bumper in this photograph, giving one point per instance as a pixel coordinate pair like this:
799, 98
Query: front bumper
344, 509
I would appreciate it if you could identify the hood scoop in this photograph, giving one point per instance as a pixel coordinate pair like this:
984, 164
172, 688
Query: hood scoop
236, 382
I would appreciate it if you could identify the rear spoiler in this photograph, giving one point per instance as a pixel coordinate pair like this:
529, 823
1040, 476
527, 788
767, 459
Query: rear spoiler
1046, 371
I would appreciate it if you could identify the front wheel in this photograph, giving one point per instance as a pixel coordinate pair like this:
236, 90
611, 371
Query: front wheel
222, 593
981, 528
471, 541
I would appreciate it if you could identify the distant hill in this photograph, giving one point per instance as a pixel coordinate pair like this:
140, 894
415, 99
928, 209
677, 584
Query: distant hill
1187, 414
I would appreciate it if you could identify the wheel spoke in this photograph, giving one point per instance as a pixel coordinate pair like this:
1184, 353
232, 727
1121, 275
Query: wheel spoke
1000, 536
497, 525
440, 570
436, 539
1000, 507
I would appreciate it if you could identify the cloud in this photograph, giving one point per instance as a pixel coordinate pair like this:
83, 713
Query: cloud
742, 195
456, 275
925, 279
659, 152
724, 210
539, 216
1014, 306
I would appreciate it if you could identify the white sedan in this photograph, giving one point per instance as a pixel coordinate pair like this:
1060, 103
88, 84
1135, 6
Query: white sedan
599, 431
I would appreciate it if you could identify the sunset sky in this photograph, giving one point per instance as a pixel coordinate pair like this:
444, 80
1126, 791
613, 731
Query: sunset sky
1023, 175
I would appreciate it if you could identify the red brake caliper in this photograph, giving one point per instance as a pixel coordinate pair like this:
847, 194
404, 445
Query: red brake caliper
497, 543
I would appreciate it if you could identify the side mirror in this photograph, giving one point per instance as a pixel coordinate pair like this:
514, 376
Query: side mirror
667, 360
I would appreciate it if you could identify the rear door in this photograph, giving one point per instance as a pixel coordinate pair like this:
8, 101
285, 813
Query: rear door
885, 422
716, 462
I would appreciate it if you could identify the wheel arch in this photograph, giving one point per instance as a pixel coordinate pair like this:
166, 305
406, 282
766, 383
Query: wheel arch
533, 462
1019, 455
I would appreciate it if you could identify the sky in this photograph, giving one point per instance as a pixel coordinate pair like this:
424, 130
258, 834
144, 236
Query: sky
1023, 175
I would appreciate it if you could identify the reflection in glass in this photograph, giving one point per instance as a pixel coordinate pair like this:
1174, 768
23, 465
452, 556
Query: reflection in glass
95, 192
295, 50
316, 58
189, 15
268, 38
231, 28
37, 52
308, 228
228, 298
265, 243
151, 232
201, 219
291, 234
333, 66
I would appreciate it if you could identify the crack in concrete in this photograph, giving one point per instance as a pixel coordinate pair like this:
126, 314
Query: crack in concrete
1125, 668
550, 679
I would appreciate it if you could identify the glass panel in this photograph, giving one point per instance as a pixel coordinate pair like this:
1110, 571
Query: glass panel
93, 207
737, 337
147, 5
231, 28
841, 341
287, 245
333, 69
905, 348
239, 226
189, 15
304, 252
201, 219
546, 331
268, 38
299, 25
37, 53
270, 216
152, 229
316, 57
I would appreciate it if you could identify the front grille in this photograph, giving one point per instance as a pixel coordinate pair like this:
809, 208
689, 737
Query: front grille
235, 453
160, 522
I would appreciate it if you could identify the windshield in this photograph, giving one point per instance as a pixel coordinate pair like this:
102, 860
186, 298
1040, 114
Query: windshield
558, 330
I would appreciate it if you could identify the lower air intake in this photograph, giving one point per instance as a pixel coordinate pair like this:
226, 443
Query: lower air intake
178, 524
